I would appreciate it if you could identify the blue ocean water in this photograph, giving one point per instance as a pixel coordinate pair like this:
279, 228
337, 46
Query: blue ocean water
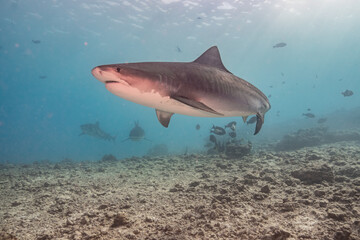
48, 48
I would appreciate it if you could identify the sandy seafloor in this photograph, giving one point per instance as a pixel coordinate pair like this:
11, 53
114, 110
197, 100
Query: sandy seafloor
311, 193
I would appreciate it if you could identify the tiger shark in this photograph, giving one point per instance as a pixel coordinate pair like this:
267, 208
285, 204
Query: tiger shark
202, 88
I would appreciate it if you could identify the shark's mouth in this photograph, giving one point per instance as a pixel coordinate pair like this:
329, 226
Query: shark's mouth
110, 81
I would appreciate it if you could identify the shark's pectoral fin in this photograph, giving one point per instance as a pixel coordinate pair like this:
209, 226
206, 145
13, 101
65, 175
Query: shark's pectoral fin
196, 104
244, 118
259, 122
163, 117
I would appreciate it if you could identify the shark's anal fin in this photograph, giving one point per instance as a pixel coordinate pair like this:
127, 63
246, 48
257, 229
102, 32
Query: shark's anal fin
163, 117
244, 118
259, 122
195, 104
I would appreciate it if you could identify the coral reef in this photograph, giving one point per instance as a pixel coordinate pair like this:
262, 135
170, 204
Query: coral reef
311, 193
235, 149
158, 150
314, 137
108, 158
232, 148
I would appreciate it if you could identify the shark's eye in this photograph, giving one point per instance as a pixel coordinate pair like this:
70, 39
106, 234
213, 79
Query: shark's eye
118, 69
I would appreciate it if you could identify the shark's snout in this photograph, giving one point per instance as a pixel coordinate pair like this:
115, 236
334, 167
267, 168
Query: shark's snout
97, 73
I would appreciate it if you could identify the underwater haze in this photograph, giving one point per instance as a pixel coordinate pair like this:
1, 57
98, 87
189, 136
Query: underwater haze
48, 48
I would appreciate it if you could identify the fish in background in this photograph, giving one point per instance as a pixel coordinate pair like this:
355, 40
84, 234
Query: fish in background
322, 120
36, 41
232, 134
212, 138
94, 130
178, 49
252, 120
201, 88
231, 125
347, 93
136, 134
309, 115
197, 127
279, 45
42, 77
217, 130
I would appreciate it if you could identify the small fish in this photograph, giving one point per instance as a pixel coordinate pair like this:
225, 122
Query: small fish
251, 120
217, 130
279, 45
212, 138
347, 93
36, 41
340, 79
283, 82
42, 76
199, 18
271, 86
232, 134
321, 120
269, 96
309, 115
178, 49
282, 74
316, 75
309, 109
197, 127
231, 125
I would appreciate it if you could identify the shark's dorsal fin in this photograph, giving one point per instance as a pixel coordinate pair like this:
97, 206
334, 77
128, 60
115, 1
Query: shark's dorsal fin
211, 57
163, 117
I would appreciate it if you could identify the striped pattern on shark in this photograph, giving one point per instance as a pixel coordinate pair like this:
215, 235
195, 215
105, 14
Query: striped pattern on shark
203, 88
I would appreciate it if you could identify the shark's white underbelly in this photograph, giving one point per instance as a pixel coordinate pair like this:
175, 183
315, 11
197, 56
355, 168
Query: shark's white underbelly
167, 104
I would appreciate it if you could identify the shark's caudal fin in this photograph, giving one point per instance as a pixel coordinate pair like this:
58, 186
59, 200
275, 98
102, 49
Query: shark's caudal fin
211, 57
259, 122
